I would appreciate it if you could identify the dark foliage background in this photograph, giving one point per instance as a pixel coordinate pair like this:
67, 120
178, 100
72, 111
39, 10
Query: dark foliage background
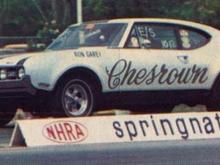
28, 17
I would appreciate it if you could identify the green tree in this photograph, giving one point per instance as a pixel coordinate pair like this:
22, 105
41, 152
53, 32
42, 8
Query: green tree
202, 11
21, 13
64, 12
31, 15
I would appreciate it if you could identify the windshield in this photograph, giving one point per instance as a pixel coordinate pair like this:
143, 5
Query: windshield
99, 34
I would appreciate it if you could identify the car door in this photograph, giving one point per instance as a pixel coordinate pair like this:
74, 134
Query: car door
161, 57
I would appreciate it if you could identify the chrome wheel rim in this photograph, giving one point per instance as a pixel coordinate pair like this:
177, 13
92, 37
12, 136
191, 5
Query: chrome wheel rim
75, 100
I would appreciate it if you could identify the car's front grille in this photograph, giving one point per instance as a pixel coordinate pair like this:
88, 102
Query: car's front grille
9, 73
12, 74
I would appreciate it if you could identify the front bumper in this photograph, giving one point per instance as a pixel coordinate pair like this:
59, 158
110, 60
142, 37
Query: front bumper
17, 88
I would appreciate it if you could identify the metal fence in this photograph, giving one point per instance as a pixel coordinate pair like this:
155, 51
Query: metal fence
29, 40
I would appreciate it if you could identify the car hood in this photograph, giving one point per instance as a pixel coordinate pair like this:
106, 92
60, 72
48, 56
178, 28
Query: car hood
13, 60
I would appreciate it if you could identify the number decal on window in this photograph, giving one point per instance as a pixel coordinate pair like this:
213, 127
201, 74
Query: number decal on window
168, 44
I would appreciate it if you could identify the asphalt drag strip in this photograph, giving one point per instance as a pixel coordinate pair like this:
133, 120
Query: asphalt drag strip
5, 136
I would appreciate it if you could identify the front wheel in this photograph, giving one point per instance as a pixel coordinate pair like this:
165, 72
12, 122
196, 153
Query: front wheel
75, 97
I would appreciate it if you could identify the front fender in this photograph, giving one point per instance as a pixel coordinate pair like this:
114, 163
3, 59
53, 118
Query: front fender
39, 68
56, 76
46, 71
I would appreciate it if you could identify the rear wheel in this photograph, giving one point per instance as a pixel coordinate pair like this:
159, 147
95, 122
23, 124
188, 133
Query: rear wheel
74, 97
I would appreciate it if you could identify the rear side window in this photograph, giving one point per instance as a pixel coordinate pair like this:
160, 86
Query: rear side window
192, 38
166, 36
153, 37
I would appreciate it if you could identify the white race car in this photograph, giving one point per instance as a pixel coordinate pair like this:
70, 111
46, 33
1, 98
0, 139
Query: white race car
115, 63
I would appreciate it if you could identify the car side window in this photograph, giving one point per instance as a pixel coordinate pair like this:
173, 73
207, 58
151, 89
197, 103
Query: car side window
192, 39
133, 40
154, 36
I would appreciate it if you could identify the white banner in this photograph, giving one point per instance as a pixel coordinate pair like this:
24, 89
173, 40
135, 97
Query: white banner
112, 129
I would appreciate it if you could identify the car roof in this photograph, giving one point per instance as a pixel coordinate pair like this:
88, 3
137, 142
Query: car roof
160, 20
132, 20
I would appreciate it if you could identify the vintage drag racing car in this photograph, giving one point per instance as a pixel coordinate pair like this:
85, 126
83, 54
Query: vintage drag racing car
121, 62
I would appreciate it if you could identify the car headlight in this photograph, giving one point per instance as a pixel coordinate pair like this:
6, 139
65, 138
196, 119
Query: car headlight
21, 73
12, 73
3, 74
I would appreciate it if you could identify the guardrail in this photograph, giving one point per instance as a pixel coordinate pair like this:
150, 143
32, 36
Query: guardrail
22, 39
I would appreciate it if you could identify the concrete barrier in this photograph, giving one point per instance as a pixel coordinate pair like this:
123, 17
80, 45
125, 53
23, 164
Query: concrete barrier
117, 129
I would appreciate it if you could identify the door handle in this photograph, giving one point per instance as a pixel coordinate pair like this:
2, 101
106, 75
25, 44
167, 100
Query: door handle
183, 58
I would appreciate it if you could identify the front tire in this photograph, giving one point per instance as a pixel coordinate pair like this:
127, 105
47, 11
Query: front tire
75, 97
